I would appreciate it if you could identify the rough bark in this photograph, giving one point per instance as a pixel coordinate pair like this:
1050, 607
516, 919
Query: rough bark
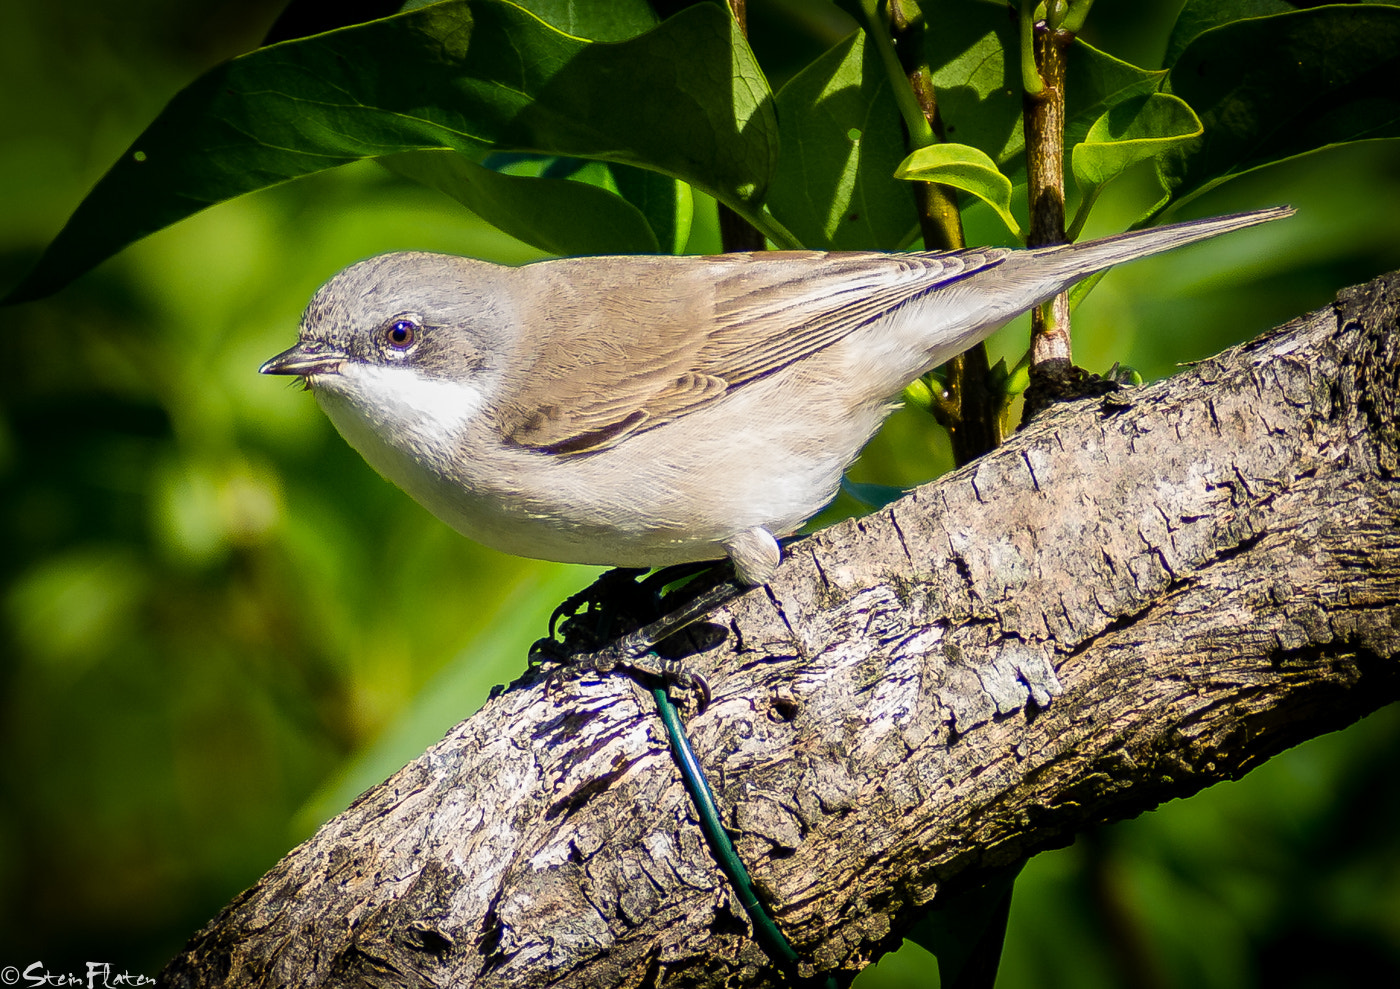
1202, 572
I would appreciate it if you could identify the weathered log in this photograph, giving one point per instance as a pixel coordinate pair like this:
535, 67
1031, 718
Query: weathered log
1200, 573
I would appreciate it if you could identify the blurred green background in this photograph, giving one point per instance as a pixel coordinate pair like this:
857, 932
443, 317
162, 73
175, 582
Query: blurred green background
217, 625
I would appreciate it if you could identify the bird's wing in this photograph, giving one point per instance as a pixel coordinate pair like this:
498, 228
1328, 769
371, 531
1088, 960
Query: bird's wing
664, 335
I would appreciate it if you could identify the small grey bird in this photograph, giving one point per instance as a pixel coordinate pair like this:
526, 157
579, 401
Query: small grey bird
644, 411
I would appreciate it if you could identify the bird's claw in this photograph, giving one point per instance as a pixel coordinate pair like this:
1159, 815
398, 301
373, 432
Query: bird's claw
636, 652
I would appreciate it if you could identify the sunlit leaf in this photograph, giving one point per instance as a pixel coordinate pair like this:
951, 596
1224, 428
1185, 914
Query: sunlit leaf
973, 54
841, 140
614, 20
556, 215
665, 203
918, 394
1133, 131
973, 58
963, 168
1096, 81
465, 76
495, 655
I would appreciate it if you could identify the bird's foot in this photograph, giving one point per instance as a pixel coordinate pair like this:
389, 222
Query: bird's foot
619, 600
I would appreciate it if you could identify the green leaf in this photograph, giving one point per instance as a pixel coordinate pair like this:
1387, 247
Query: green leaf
974, 54
612, 20
492, 655
841, 140
963, 168
686, 99
1199, 16
1095, 82
973, 57
302, 18
1018, 379
1132, 131
556, 215
666, 203
1274, 88
616, 20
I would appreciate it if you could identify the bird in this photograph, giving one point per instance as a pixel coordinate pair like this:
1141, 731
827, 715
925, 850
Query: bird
641, 411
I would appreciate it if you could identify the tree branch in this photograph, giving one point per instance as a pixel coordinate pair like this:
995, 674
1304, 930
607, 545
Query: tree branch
1202, 573
1043, 116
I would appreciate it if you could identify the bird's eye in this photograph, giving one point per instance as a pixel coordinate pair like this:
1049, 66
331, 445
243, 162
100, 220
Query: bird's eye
401, 334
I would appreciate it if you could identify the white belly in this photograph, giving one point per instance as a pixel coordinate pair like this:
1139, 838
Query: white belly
666, 495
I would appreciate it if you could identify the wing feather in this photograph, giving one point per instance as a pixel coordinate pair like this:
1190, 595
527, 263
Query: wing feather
660, 336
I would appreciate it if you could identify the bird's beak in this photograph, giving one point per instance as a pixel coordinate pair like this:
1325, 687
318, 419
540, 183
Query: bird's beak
308, 357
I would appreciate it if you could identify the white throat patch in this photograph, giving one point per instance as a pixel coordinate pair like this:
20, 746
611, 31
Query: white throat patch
403, 398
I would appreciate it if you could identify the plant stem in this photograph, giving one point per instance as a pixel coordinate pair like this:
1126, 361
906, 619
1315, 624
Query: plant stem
738, 231
1082, 213
1031, 83
1078, 12
967, 406
1044, 117
939, 219
877, 31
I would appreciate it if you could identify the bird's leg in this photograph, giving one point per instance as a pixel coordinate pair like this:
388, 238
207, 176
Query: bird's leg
618, 584
636, 651
638, 605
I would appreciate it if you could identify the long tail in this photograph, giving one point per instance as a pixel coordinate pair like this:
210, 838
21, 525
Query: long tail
1066, 264
974, 307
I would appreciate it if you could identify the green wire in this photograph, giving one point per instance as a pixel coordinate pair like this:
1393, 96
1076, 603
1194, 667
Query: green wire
766, 932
